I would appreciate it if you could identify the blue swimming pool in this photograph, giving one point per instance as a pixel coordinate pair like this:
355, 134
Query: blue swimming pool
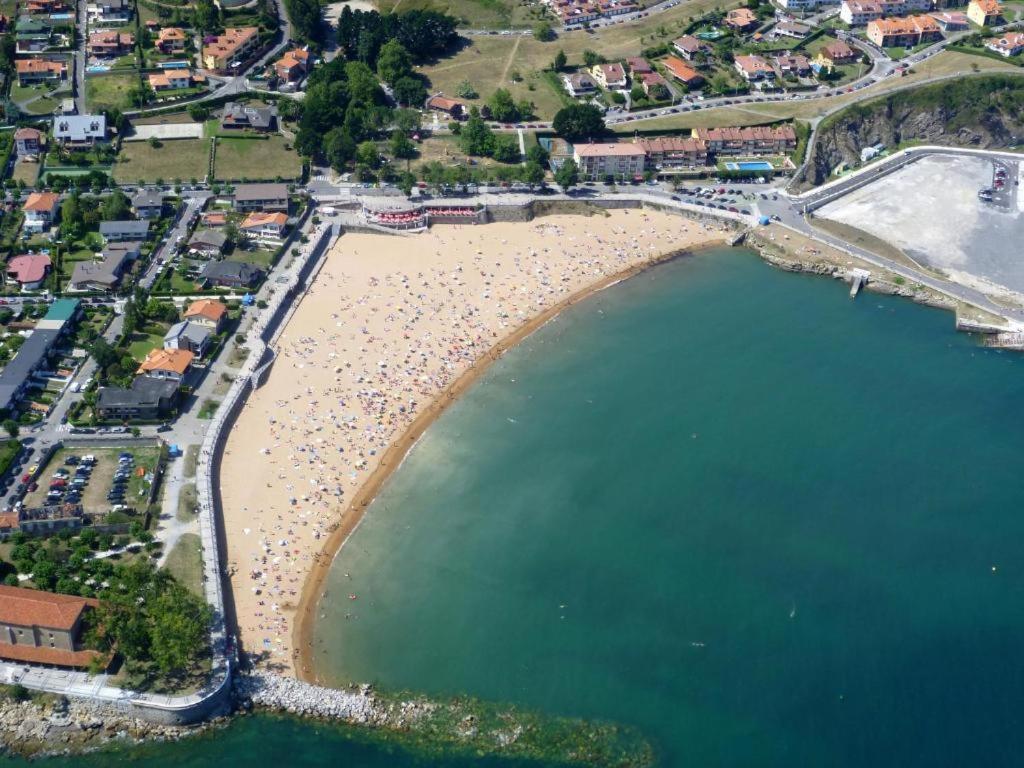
752, 165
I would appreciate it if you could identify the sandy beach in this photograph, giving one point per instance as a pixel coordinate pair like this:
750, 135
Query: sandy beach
391, 331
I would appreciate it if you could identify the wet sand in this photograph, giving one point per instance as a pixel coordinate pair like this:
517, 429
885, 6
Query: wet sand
392, 330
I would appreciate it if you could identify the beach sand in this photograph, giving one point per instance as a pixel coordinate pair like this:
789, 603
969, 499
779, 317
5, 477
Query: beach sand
392, 329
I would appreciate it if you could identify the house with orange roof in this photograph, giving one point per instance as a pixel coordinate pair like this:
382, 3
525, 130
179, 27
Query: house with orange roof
293, 65
29, 270
223, 53
984, 13
174, 80
449, 106
37, 70
683, 72
208, 312
1010, 44
40, 627
171, 40
29, 141
610, 75
753, 68
264, 226
903, 31
168, 364
741, 19
107, 43
40, 211
651, 81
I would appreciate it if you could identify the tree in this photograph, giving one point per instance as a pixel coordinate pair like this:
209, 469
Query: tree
503, 108
410, 91
533, 173
401, 147
567, 176
537, 154
306, 17
140, 95
116, 207
590, 58
11, 427
465, 90
579, 122
393, 62
407, 120
560, 61
543, 31
505, 148
367, 154
205, 15
200, 112
476, 137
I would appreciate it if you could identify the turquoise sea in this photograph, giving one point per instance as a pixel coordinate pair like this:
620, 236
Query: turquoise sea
764, 524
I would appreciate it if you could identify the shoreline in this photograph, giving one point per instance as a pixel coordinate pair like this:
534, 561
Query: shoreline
394, 456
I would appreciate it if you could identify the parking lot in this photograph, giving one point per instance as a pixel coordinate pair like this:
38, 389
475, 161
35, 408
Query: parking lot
98, 478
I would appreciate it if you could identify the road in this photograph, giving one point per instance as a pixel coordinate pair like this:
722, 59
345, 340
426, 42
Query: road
79, 59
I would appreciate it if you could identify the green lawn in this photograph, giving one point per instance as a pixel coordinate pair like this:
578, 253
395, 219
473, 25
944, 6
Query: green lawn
178, 159
261, 257
256, 160
142, 343
476, 14
109, 91
26, 172
185, 562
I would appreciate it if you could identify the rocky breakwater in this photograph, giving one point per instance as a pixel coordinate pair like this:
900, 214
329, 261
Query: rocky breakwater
45, 724
460, 725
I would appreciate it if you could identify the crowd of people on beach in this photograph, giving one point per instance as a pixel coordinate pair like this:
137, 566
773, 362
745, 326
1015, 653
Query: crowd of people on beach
389, 324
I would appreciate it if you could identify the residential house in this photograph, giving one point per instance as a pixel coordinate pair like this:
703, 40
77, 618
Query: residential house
984, 13
835, 54
171, 40
34, 34
103, 274
753, 68
29, 270
267, 197
147, 398
34, 355
638, 65
29, 142
208, 313
752, 140
240, 116
952, 21
44, 7
455, 109
213, 218
600, 160
188, 335
1010, 44
689, 47
36, 70
903, 31
38, 627
651, 81
148, 203
40, 211
168, 364
668, 152
174, 80
108, 12
682, 72
741, 19
122, 231
109, 43
579, 84
293, 65
790, 29
207, 242
610, 75
792, 64
222, 53
264, 226
79, 131
857, 13
231, 274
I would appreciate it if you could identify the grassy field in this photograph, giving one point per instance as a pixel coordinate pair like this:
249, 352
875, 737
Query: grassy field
261, 257
106, 91
26, 172
256, 160
178, 159
185, 562
488, 63
946, 63
141, 344
475, 14
187, 503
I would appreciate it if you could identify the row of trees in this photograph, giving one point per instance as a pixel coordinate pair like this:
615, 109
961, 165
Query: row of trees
306, 17
424, 34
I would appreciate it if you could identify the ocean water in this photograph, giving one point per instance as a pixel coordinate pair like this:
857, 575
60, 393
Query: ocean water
764, 524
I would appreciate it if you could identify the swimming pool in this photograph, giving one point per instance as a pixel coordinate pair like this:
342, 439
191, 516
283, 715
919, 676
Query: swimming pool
753, 165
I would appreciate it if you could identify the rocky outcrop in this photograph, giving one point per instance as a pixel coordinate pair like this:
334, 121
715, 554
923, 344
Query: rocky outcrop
980, 112
49, 725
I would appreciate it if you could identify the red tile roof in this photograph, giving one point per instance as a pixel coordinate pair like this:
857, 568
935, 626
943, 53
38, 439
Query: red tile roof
35, 608
53, 656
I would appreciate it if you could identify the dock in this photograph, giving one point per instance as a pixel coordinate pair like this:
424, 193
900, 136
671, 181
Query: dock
858, 278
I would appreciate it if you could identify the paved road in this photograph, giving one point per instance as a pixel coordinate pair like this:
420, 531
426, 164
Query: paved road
194, 203
79, 58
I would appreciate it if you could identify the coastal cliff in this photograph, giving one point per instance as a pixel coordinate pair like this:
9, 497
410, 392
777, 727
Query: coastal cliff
980, 112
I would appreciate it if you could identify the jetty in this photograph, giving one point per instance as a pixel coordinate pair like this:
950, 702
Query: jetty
858, 278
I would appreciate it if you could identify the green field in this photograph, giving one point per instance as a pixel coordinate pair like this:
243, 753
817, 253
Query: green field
488, 63
475, 14
185, 562
256, 160
109, 91
183, 159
